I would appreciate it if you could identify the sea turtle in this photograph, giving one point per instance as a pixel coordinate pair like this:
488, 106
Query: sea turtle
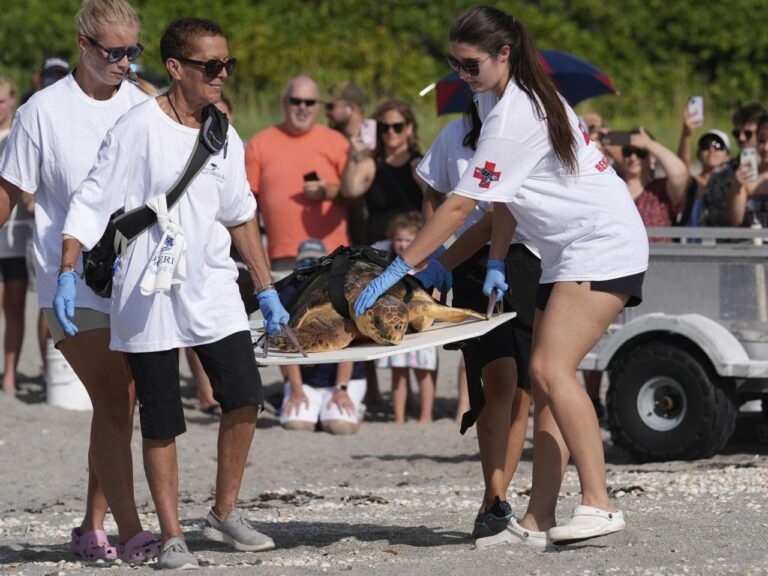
320, 328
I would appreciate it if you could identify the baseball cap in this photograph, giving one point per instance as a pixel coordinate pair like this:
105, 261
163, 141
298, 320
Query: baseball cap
720, 135
311, 249
54, 68
348, 92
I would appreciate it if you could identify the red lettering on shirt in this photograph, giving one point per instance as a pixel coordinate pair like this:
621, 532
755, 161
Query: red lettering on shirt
603, 165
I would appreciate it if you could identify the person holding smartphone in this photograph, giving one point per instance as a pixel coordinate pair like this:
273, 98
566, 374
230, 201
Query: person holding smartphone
535, 160
748, 203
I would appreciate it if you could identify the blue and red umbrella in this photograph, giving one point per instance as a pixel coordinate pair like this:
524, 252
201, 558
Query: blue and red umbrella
575, 78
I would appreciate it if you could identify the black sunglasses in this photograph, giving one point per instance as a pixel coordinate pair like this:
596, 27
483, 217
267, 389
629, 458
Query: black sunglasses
747, 134
114, 55
398, 127
299, 101
212, 68
627, 151
471, 67
712, 142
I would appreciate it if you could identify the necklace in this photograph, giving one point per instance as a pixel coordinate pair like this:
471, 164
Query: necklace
168, 95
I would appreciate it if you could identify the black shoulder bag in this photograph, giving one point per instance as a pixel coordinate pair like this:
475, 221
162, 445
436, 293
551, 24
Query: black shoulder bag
124, 227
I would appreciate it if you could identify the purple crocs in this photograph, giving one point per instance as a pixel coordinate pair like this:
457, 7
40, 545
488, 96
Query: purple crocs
93, 545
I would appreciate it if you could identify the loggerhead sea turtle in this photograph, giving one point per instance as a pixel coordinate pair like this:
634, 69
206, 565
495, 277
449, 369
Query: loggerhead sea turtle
320, 328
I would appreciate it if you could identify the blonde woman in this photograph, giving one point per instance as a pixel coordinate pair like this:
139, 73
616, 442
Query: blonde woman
52, 145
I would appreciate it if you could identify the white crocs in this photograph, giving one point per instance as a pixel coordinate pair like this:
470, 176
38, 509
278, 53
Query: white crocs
587, 522
513, 533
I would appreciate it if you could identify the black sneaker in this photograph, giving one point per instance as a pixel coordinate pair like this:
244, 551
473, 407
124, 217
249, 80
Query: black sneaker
493, 520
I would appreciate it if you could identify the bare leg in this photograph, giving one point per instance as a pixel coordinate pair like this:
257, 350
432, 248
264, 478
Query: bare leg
106, 377
202, 383
520, 408
235, 437
493, 427
14, 297
163, 478
426, 381
399, 393
462, 394
573, 322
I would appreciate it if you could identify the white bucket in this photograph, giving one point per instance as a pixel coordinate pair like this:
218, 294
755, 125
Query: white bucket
63, 387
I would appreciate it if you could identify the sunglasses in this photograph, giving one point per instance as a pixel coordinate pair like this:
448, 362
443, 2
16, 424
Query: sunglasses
747, 134
114, 55
398, 127
212, 68
299, 101
471, 67
627, 151
715, 143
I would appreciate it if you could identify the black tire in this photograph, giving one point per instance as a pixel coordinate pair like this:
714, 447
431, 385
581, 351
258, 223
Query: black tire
687, 414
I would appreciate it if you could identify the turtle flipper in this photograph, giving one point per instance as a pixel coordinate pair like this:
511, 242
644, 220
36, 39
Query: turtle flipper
422, 313
319, 335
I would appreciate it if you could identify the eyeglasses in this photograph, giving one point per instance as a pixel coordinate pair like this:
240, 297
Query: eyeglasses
641, 153
398, 127
471, 67
114, 55
747, 134
212, 68
299, 101
712, 142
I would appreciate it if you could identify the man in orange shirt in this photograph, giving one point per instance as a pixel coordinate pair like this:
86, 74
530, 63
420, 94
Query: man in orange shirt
295, 170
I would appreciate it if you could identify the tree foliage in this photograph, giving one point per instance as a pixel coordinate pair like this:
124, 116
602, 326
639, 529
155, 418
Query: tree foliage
654, 50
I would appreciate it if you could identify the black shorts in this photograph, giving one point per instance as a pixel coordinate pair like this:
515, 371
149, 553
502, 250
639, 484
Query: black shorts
13, 269
509, 340
229, 363
632, 285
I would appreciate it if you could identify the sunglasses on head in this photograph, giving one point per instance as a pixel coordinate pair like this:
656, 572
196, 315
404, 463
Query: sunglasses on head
398, 127
299, 101
641, 153
747, 134
212, 68
471, 67
114, 55
713, 142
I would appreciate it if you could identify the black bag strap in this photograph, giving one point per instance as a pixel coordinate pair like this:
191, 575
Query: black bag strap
336, 280
212, 138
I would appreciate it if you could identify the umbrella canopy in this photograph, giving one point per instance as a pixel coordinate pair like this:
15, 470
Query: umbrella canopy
575, 78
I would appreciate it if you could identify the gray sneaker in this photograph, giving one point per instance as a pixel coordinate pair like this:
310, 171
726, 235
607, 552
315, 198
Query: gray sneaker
176, 556
236, 531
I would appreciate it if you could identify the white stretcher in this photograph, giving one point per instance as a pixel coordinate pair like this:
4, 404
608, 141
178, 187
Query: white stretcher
438, 335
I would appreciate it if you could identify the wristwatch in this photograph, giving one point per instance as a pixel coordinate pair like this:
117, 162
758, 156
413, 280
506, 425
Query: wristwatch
341, 387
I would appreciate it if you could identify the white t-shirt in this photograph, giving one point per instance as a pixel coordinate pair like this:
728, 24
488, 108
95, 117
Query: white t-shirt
53, 143
585, 225
444, 164
141, 158
18, 229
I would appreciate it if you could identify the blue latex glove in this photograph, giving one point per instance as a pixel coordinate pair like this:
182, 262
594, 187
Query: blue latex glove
435, 276
64, 301
381, 284
495, 278
273, 311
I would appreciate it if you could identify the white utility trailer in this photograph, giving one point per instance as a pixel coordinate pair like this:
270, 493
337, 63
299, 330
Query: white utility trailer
680, 364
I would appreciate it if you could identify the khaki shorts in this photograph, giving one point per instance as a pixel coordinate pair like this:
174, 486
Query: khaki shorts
85, 319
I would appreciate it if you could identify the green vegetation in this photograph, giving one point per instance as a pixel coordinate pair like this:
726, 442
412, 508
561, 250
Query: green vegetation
657, 52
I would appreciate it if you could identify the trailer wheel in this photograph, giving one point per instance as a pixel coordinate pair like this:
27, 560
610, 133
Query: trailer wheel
665, 404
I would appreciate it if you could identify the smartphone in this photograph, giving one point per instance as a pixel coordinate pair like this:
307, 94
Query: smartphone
696, 109
368, 133
617, 138
311, 177
749, 159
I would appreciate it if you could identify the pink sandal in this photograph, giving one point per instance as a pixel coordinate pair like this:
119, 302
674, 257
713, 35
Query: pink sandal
93, 545
140, 548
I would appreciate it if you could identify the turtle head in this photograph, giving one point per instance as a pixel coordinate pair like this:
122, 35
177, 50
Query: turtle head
385, 322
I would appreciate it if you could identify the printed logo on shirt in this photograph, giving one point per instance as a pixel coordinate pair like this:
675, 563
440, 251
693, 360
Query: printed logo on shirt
213, 170
603, 165
487, 174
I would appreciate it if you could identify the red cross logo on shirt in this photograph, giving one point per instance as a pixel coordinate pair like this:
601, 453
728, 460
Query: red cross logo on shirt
486, 174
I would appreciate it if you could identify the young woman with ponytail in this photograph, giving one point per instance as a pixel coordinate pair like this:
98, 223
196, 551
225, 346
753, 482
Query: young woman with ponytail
552, 184
52, 146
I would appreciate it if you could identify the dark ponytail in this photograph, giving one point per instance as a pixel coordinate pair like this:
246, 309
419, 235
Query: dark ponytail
472, 117
490, 30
